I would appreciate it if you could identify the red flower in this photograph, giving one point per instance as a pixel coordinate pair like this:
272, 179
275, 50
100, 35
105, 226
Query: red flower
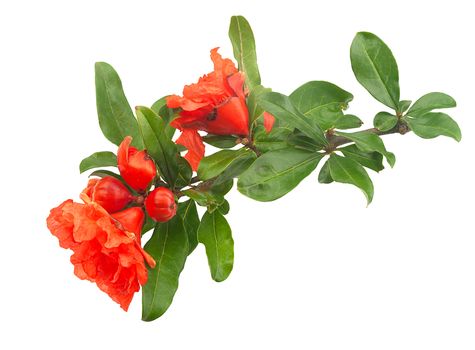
136, 167
216, 104
106, 248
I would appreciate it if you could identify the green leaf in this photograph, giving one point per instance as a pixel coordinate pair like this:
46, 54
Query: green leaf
431, 125
205, 198
272, 141
244, 49
276, 173
346, 170
184, 172
371, 160
220, 141
231, 161
369, 142
384, 121
321, 101
324, 176
214, 232
347, 121
298, 140
221, 188
403, 106
162, 149
224, 208
430, 101
116, 118
167, 114
255, 111
187, 210
375, 68
148, 225
282, 108
169, 247
98, 160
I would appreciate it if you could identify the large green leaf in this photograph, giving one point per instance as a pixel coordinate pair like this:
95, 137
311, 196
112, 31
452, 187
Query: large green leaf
187, 210
346, 170
430, 101
276, 173
98, 160
169, 247
244, 49
233, 162
431, 125
214, 232
116, 118
371, 160
220, 141
281, 107
375, 68
158, 145
324, 102
369, 142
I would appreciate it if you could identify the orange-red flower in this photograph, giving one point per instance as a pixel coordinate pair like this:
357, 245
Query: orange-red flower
216, 104
106, 248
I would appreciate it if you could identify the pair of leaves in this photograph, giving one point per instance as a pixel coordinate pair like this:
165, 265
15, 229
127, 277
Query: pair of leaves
276, 173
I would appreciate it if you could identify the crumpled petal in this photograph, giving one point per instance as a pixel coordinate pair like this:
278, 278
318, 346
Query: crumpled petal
196, 148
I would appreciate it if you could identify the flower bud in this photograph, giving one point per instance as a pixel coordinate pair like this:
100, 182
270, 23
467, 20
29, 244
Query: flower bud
131, 219
160, 204
109, 192
135, 166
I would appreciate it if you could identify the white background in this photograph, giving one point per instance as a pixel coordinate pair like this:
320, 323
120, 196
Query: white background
314, 270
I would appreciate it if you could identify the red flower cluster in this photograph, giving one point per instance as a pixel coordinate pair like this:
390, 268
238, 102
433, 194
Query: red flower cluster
104, 235
216, 104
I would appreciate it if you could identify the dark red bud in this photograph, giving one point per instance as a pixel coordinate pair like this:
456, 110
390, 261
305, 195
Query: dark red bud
160, 204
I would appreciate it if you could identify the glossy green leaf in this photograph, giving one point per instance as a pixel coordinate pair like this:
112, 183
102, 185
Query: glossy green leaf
244, 48
169, 248
215, 234
224, 208
184, 172
369, 142
298, 140
347, 121
231, 161
162, 149
281, 107
321, 101
205, 198
276, 173
384, 121
167, 114
220, 141
324, 176
221, 188
187, 210
255, 111
98, 160
346, 170
431, 125
375, 68
403, 106
272, 141
116, 118
429, 102
371, 160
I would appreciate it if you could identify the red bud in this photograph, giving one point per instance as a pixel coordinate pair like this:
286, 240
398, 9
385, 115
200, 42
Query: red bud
131, 219
135, 166
109, 192
160, 204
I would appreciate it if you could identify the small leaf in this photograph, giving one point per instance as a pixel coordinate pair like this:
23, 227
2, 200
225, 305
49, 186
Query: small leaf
282, 108
346, 170
222, 161
403, 106
162, 149
214, 232
167, 114
184, 172
430, 101
276, 173
369, 142
187, 210
375, 68
384, 121
224, 208
116, 118
324, 176
371, 160
220, 141
98, 160
431, 125
205, 198
169, 248
347, 121
244, 48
